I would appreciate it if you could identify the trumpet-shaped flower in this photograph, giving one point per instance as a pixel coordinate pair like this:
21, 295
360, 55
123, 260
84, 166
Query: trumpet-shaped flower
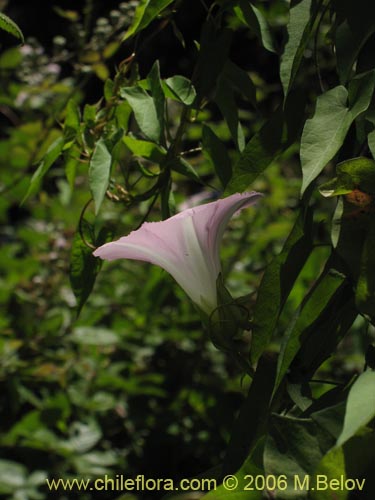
185, 245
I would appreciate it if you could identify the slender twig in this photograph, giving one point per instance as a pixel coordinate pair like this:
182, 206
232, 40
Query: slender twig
144, 218
329, 382
316, 35
80, 229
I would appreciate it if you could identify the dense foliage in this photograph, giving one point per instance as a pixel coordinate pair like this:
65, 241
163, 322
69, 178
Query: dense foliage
132, 111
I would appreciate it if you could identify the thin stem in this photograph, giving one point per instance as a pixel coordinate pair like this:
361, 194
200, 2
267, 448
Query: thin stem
80, 229
316, 35
328, 382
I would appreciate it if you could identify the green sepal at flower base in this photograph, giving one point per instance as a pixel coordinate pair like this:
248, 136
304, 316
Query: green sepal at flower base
228, 325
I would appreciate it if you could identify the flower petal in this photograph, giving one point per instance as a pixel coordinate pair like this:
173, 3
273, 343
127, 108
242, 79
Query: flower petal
185, 245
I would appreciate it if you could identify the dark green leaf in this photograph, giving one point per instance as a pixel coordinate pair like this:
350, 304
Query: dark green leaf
146, 12
49, 159
84, 267
183, 167
294, 448
99, 173
254, 19
252, 419
365, 289
331, 419
300, 26
329, 284
214, 49
158, 97
278, 281
224, 98
145, 111
320, 342
11, 27
259, 152
252, 467
240, 80
353, 31
218, 155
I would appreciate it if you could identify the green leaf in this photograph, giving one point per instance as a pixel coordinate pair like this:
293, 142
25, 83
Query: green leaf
252, 419
325, 132
332, 466
183, 167
258, 154
217, 154
145, 149
320, 341
10, 58
275, 136
351, 34
278, 281
365, 289
145, 111
72, 120
300, 26
158, 97
84, 267
146, 12
360, 406
240, 80
329, 284
224, 98
214, 49
53, 152
12, 476
252, 467
294, 448
181, 89
11, 27
359, 461
89, 335
331, 418
99, 173
249, 15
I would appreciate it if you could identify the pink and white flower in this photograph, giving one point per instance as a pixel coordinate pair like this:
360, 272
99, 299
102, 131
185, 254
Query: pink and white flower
185, 245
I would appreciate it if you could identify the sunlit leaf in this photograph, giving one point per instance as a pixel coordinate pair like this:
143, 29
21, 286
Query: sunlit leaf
145, 149
325, 132
11, 27
99, 173
146, 12
49, 159
180, 88
145, 111
314, 305
360, 407
278, 281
